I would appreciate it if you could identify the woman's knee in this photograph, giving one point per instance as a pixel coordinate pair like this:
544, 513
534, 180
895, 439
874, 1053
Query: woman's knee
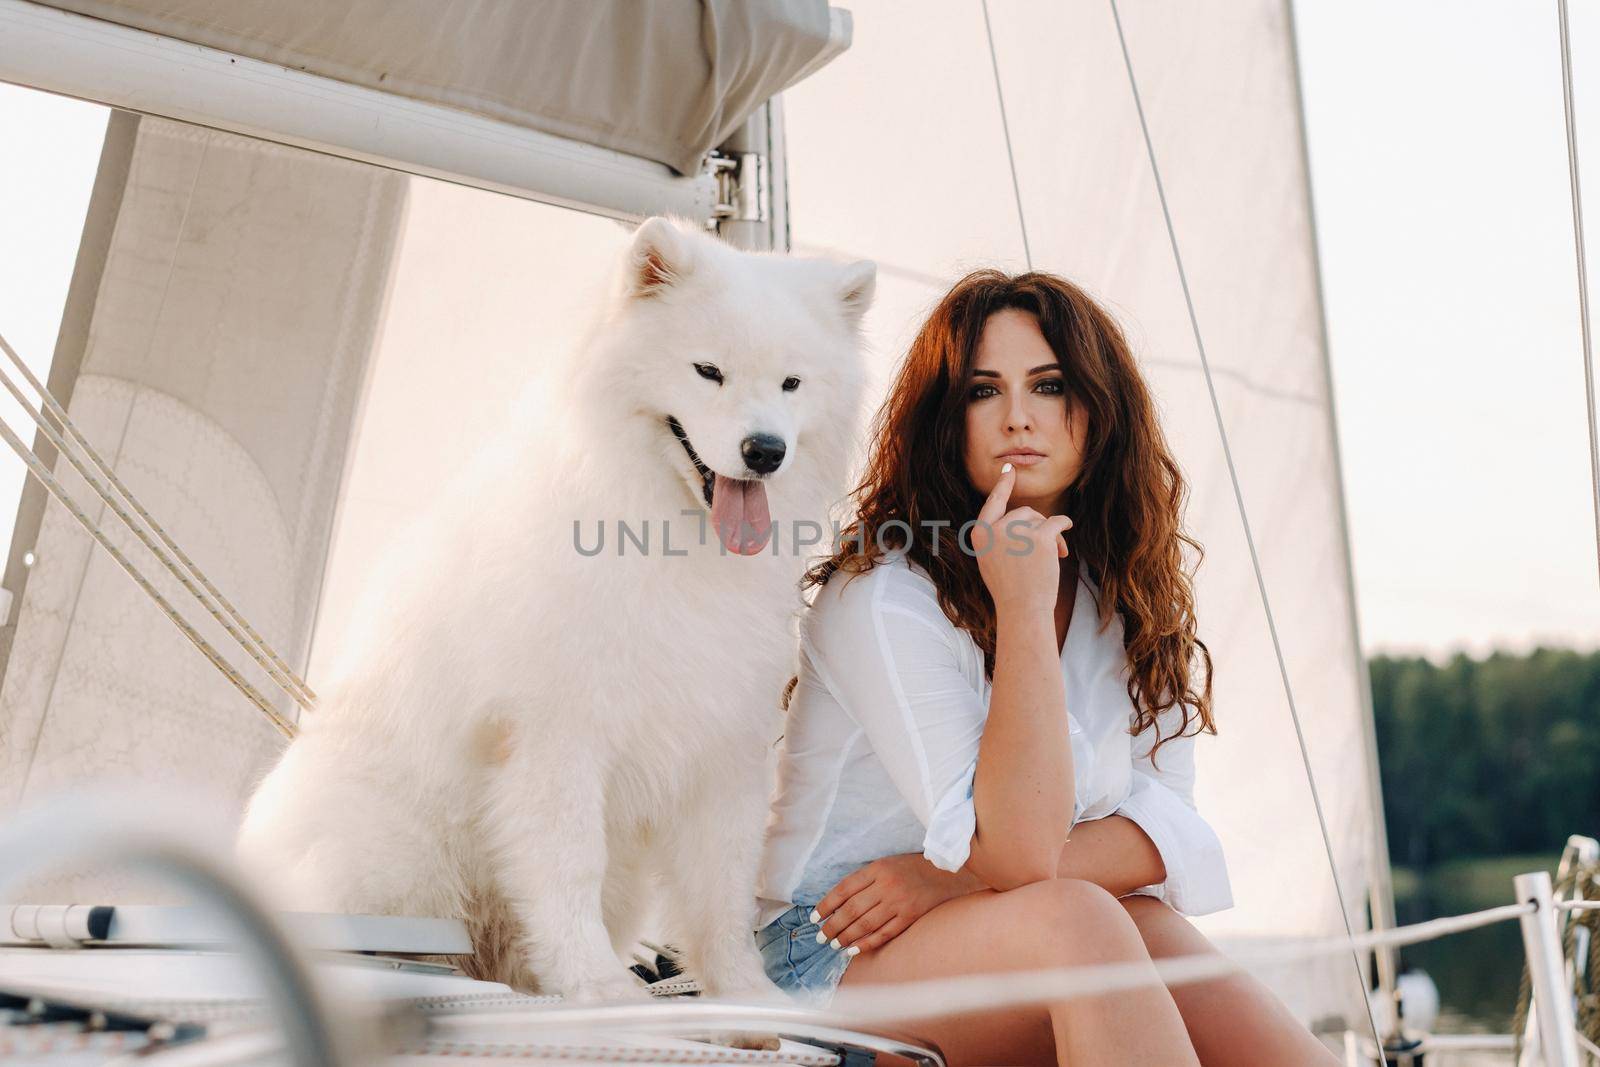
1165, 932
1072, 899
1076, 919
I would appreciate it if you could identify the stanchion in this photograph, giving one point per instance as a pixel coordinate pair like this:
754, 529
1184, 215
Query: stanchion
1552, 1003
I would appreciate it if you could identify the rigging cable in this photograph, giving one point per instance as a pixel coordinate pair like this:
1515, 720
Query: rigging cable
295, 686
1583, 271
233, 622
55, 489
1238, 496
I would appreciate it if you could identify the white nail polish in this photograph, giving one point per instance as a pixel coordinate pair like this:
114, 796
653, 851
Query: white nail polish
835, 944
821, 937
816, 916
1005, 468
853, 950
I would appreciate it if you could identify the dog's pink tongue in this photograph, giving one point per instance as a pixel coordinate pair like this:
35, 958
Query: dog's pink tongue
739, 512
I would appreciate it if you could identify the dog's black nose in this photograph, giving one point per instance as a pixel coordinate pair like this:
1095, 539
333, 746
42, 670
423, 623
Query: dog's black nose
763, 452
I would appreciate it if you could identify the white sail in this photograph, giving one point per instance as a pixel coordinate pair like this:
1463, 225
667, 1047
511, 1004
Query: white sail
898, 152
223, 354
895, 151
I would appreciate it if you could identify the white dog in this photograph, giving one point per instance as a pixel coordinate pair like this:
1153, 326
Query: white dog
530, 730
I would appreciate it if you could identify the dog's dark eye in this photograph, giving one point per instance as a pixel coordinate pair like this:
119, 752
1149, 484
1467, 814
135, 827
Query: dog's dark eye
790, 384
709, 372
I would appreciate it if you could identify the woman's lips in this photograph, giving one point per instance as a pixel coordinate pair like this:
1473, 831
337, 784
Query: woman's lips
1021, 459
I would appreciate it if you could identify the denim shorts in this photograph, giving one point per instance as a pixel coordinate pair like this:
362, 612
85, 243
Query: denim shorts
795, 962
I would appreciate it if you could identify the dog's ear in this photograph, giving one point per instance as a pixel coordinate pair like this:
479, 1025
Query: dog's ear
660, 258
857, 282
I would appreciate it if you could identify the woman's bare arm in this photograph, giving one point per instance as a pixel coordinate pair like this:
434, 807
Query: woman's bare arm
1023, 790
1113, 853
874, 903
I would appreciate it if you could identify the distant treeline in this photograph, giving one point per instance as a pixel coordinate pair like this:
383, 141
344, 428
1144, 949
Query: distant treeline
1487, 757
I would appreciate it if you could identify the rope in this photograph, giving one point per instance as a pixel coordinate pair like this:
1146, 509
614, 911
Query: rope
1570, 114
981, 992
883, 1003
906, 1001
54, 488
1586, 979
1580, 885
264, 657
43, 474
580, 1050
1238, 492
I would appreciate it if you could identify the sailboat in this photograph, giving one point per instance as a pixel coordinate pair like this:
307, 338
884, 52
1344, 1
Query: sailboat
299, 207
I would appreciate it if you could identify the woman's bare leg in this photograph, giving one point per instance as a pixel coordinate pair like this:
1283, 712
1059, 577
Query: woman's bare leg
1234, 1020
1058, 923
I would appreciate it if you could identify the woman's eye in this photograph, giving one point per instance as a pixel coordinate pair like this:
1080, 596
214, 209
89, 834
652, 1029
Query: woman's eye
709, 372
790, 384
1048, 386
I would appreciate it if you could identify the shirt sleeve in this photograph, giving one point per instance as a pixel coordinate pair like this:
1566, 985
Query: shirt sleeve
1161, 801
898, 674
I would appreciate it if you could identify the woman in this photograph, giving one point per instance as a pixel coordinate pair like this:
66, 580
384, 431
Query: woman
988, 762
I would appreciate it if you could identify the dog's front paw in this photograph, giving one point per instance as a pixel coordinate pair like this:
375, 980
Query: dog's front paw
610, 989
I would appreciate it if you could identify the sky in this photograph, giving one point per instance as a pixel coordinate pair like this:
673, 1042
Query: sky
1439, 172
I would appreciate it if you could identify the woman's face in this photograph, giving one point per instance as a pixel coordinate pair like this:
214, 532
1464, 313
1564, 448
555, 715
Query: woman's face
1018, 412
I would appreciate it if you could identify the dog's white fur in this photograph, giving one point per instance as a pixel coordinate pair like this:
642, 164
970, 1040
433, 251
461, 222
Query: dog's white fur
527, 734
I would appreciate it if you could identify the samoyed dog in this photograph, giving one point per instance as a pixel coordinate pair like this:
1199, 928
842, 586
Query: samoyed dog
537, 735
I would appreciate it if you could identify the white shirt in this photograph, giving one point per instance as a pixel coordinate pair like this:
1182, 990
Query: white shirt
881, 744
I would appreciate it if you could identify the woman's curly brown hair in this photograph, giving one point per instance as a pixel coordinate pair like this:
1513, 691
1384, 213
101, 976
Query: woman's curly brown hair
1126, 504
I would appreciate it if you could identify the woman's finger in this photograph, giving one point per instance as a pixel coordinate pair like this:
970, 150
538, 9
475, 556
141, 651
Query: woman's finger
883, 934
1054, 528
865, 926
1056, 524
841, 917
848, 886
994, 508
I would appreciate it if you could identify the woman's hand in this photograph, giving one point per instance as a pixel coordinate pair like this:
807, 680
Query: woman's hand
1019, 551
875, 903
